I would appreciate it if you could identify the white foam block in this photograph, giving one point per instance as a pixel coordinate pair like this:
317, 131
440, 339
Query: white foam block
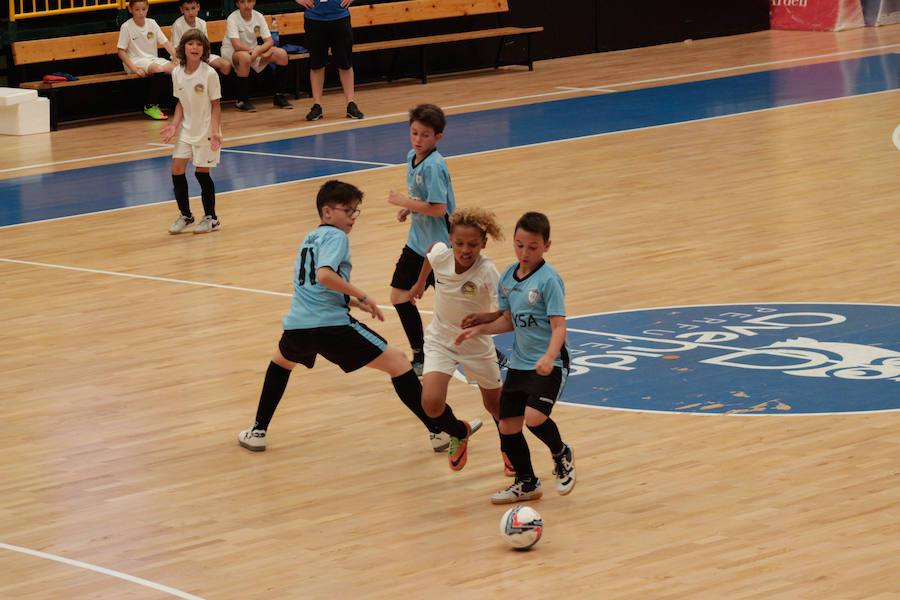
25, 118
10, 96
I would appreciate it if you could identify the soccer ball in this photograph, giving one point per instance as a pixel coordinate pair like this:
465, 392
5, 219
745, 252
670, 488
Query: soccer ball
521, 527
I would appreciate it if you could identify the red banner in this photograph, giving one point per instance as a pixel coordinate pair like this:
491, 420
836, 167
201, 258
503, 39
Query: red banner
818, 15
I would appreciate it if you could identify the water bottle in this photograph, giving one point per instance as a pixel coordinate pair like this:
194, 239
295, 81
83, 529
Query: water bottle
274, 31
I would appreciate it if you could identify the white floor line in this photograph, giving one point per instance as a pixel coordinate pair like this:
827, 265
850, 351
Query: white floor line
343, 160
220, 286
585, 89
103, 570
482, 103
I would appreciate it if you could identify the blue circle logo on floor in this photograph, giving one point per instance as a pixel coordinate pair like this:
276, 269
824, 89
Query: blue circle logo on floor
770, 359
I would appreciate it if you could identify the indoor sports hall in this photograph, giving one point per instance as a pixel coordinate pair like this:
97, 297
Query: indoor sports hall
723, 217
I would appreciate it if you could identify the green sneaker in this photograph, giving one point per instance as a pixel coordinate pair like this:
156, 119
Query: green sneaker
154, 112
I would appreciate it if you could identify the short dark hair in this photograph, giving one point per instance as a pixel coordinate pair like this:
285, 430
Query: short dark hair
192, 35
334, 193
429, 115
133, 2
183, 2
535, 222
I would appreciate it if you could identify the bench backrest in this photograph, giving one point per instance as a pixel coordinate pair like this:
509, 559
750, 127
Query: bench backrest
406, 11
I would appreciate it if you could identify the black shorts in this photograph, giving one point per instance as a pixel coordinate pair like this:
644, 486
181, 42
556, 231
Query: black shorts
527, 388
348, 346
322, 35
406, 273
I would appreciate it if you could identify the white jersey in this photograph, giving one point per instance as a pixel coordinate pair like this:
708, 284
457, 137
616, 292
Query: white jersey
195, 93
180, 27
245, 31
460, 294
141, 42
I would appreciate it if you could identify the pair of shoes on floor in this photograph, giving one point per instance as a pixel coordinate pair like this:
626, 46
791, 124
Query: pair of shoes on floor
458, 450
530, 489
154, 112
315, 113
206, 225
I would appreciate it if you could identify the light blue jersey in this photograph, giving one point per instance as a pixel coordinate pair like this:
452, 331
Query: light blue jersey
313, 304
429, 181
531, 302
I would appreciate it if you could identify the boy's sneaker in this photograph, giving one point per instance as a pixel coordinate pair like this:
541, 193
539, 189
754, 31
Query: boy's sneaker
281, 101
315, 113
565, 471
207, 225
518, 492
153, 111
508, 469
440, 441
245, 105
457, 451
180, 224
353, 111
253, 439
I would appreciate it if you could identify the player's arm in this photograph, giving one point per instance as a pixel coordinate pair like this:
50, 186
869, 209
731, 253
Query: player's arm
418, 288
262, 49
358, 298
169, 131
418, 206
502, 324
215, 140
126, 60
473, 319
557, 338
171, 50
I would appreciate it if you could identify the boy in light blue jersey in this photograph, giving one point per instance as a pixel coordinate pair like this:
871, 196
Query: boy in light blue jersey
430, 202
319, 320
531, 301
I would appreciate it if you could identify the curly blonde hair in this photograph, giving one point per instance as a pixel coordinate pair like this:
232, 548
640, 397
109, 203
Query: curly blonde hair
481, 219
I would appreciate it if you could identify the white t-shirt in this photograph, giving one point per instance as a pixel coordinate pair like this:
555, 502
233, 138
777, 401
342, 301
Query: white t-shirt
180, 27
195, 92
246, 31
141, 42
459, 294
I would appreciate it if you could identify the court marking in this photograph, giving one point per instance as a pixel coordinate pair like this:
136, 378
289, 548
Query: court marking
562, 90
470, 154
220, 286
343, 160
102, 570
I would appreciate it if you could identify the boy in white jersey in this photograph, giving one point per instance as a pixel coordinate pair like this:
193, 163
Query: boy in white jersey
319, 320
139, 38
430, 201
239, 47
531, 298
465, 283
190, 20
198, 114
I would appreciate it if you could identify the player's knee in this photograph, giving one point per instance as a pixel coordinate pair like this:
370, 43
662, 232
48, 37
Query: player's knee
399, 296
534, 418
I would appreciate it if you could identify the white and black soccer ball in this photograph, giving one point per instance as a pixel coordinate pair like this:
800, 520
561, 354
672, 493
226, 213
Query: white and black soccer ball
521, 527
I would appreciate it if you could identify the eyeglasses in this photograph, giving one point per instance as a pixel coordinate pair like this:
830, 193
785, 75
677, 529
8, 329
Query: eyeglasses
351, 213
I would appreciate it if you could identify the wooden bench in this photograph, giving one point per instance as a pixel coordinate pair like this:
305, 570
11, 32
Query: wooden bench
45, 51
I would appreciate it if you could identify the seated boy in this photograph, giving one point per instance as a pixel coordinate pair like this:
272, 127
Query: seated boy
139, 37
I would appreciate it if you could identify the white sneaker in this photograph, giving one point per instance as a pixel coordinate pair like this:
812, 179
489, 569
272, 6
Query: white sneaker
519, 491
207, 225
180, 224
565, 471
253, 439
439, 441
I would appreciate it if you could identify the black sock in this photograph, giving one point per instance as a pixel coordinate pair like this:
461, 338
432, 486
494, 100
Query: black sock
412, 325
517, 452
208, 193
156, 88
282, 80
448, 422
181, 194
548, 433
272, 391
409, 390
242, 88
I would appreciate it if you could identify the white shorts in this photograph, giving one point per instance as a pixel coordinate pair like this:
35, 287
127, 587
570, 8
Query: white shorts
228, 54
144, 63
202, 155
480, 366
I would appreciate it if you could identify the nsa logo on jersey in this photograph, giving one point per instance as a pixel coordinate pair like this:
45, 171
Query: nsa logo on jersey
469, 289
534, 296
199, 88
750, 359
149, 35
